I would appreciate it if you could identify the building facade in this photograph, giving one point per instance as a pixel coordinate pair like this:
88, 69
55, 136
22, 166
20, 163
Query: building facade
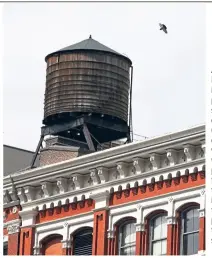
143, 198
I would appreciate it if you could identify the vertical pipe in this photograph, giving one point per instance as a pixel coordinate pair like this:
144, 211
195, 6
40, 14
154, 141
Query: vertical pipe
130, 113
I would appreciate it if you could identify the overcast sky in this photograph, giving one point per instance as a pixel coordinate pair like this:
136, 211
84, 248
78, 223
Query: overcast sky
169, 69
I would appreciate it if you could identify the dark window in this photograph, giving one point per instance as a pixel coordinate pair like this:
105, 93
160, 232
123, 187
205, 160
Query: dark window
127, 238
190, 232
83, 242
5, 249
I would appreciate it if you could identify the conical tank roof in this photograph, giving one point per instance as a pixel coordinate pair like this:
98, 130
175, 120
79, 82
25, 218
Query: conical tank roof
88, 44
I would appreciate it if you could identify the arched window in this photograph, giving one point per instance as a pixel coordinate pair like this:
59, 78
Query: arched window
52, 245
189, 231
83, 241
127, 238
158, 235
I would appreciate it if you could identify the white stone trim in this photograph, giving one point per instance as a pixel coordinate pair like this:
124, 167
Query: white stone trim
172, 157
202, 253
155, 161
189, 151
101, 199
28, 217
62, 184
139, 227
122, 168
95, 189
197, 132
66, 243
138, 164
171, 220
13, 226
5, 238
103, 174
46, 229
37, 250
201, 213
110, 234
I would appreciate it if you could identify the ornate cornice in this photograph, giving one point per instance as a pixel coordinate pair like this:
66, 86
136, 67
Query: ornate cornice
73, 182
111, 155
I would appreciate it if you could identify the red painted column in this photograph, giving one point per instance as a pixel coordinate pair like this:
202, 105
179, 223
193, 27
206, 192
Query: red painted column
201, 230
110, 242
100, 242
27, 236
171, 238
139, 239
26, 241
13, 237
100, 232
66, 247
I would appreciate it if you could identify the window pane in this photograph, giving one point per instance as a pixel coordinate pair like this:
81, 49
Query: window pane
128, 250
191, 220
163, 247
156, 248
159, 247
160, 228
196, 220
128, 234
157, 228
190, 244
164, 227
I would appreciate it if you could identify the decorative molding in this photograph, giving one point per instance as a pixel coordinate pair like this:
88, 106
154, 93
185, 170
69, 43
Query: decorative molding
62, 184
203, 147
202, 192
202, 213
14, 209
189, 151
138, 164
103, 174
101, 200
139, 206
122, 169
139, 227
7, 197
28, 217
66, 243
47, 189
94, 176
21, 195
65, 224
13, 226
13, 194
110, 234
4, 215
172, 157
171, 220
37, 250
170, 199
78, 181
96, 159
29, 192
155, 161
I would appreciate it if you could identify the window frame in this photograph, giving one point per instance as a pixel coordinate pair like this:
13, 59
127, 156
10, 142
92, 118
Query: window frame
5, 246
151, 232
182, 233
120, 235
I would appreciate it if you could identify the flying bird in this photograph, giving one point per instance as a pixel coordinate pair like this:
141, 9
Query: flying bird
163, 27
